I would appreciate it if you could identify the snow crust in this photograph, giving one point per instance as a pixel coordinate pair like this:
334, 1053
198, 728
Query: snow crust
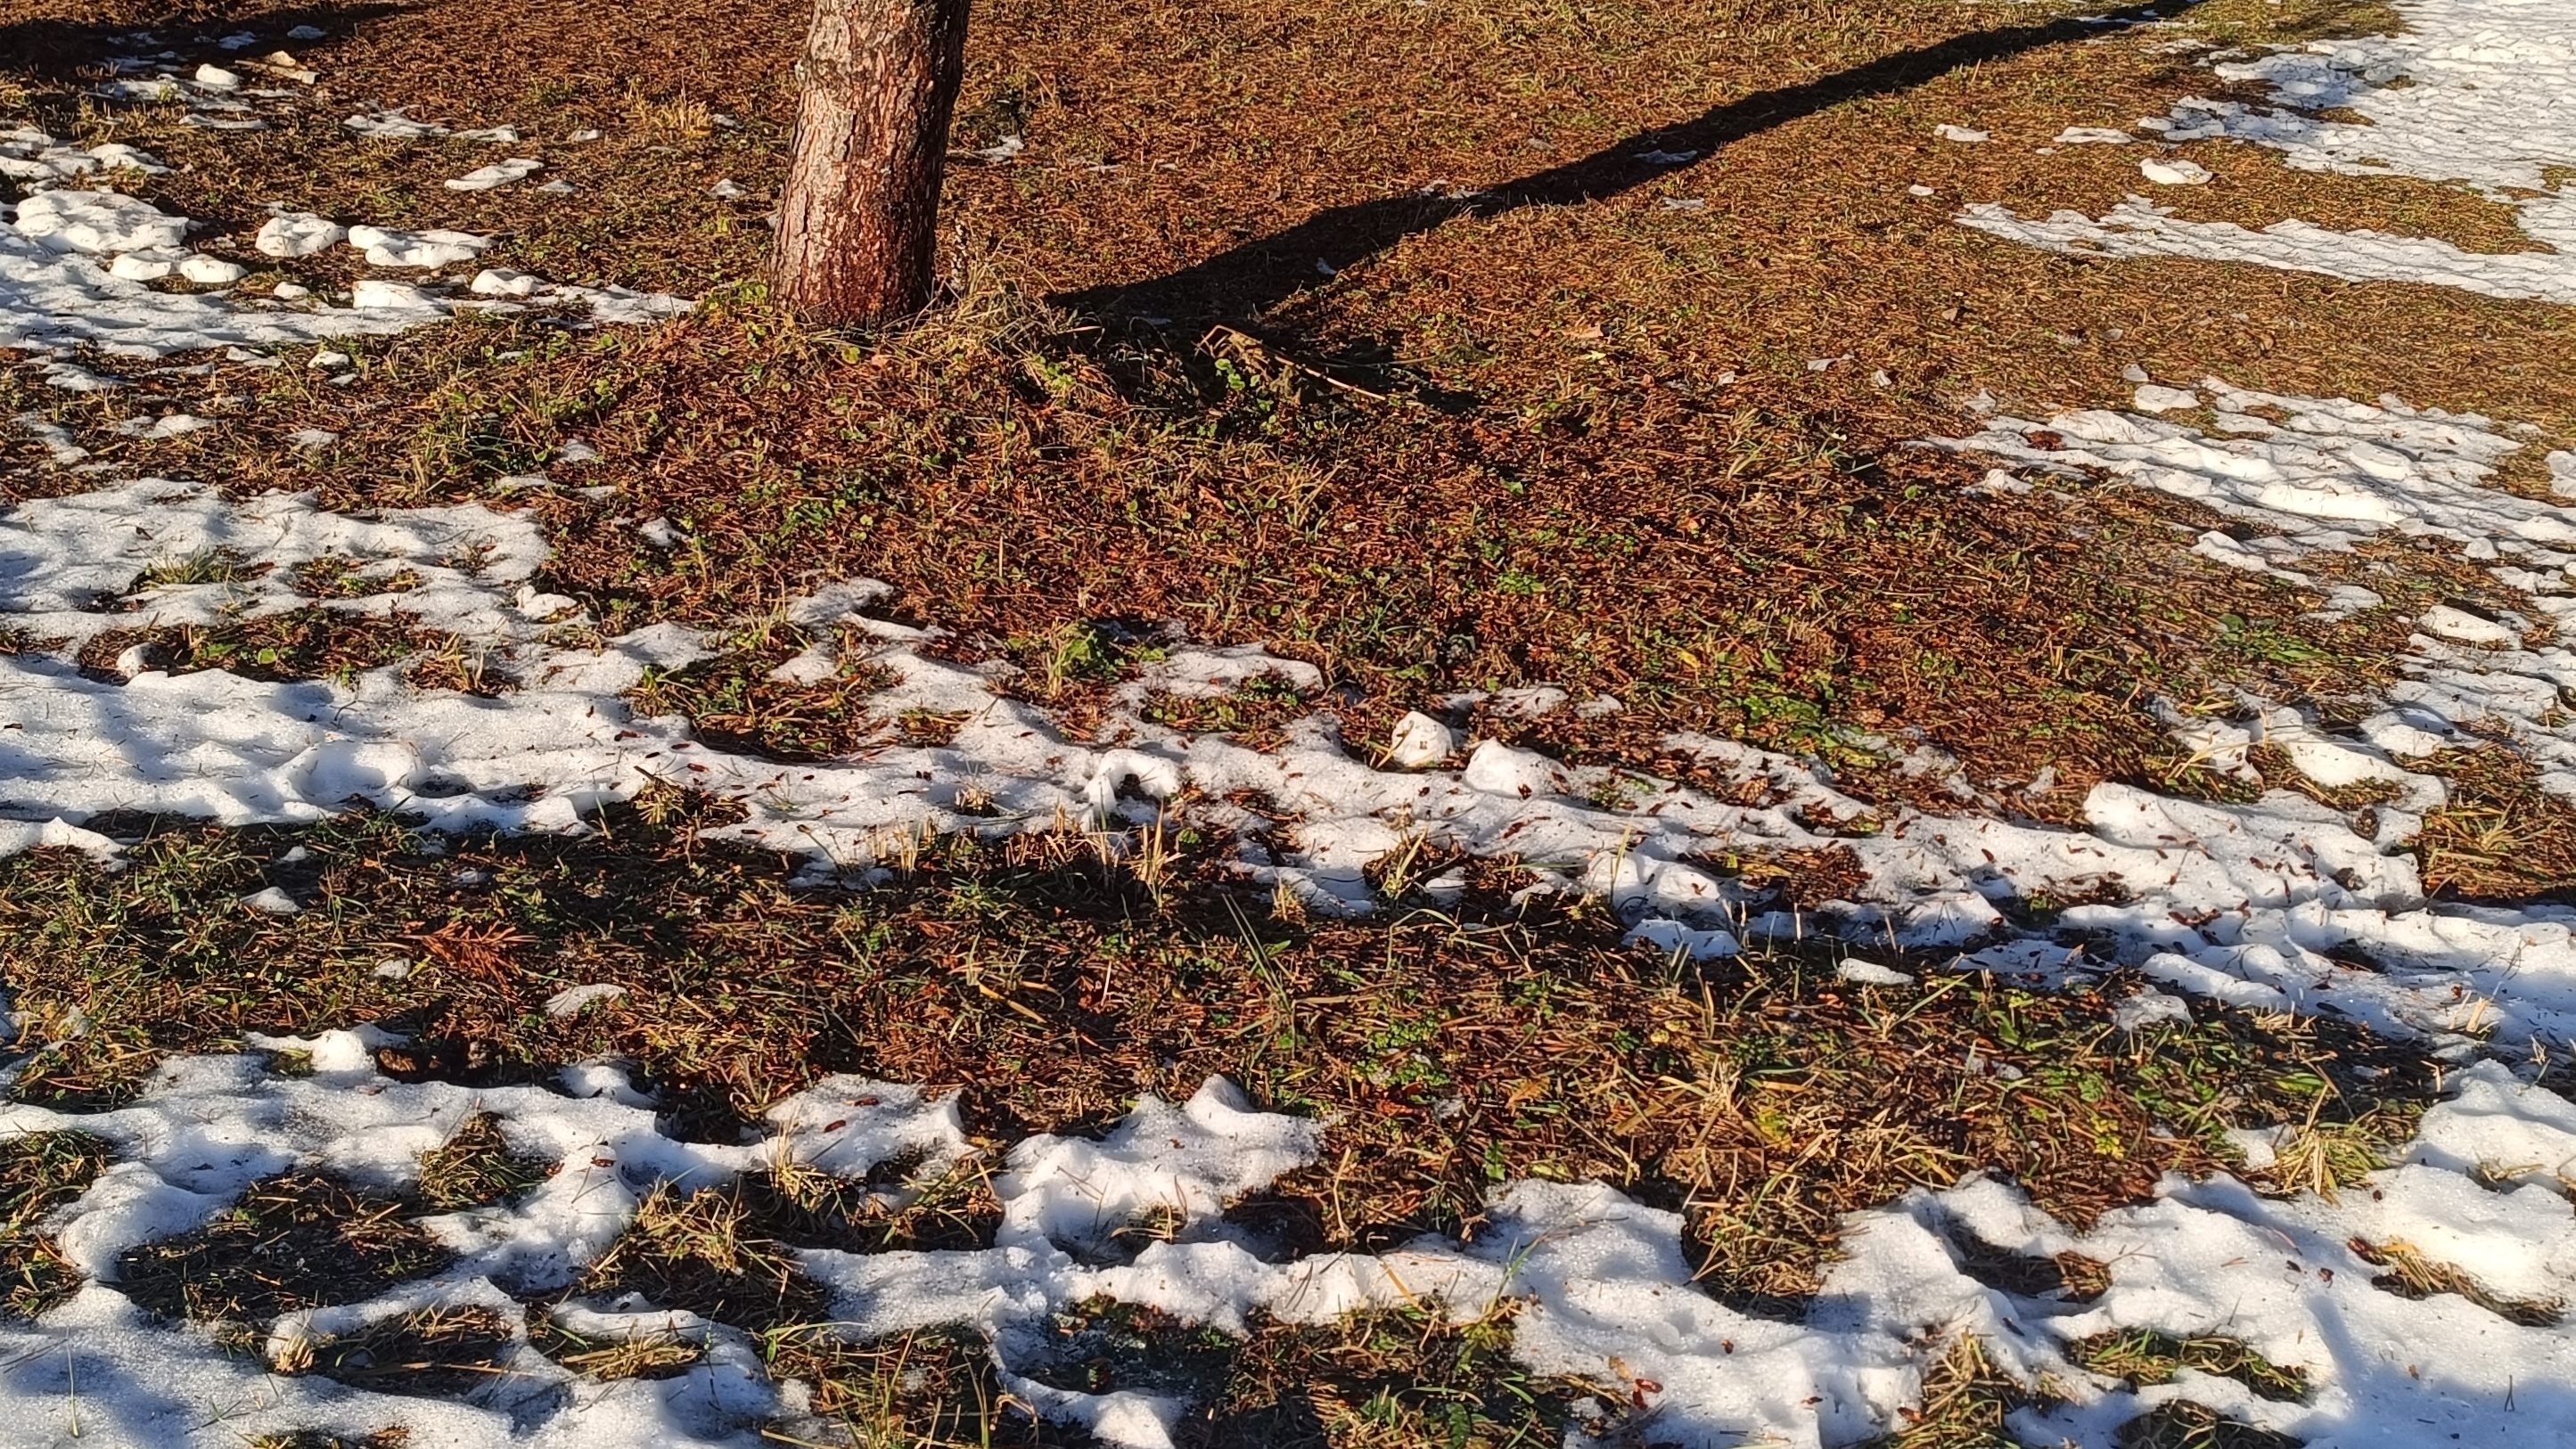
2471, 92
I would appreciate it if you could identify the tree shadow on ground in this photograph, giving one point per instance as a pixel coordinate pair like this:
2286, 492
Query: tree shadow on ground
1244, 282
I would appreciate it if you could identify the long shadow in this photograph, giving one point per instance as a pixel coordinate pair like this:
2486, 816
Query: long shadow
1253, 277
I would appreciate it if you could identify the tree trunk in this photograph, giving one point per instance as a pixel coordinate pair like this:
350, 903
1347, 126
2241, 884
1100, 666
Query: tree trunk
858, 224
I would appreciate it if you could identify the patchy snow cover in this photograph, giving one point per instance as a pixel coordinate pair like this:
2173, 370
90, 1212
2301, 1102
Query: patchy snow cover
2323, 476
2139, 228
75, 265
1597, 1286
30, 157
2474, 92
2241, 901
55, 293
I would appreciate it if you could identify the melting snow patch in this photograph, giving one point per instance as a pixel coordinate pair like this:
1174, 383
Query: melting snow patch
1598, 1286
2472, 91
97, 222
2258, 894
574, 1000
2175, 172
394, 247
498, 174
298, 234
2138, 228
393, 126
28, 155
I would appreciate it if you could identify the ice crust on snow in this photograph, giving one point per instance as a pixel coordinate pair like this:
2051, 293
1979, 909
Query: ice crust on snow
2472, 92
1598, 1285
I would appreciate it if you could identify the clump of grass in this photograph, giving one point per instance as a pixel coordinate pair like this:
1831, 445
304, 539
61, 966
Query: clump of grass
389, 1438
40, 1172
2070, 1275
436, 1352
302, 1240
893, 1209
1965, 1399
2143, 1356
1402, 1379
2183, 1424
337, 576
2500, 836
1398, 874
1105, 1346
668, 118
656, 1355
733, 703
467, 669
205, 566
2411, 1274
699, 1251
1255, 710
475, 1166
304, 643
102, 1066
930, 1387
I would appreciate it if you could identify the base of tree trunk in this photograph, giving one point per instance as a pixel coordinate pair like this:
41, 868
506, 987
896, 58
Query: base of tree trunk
858, 223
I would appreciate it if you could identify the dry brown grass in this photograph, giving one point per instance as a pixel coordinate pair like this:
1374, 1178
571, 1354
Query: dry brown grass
2413, 1274
1051, 982
39, 1172
1538, 477
438, 1352
2502, 837
300, 1240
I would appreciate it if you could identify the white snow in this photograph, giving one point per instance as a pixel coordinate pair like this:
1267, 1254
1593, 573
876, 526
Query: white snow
498, 174
298, 234
375, 294
430, 249
2175, 172
1419, 741
1597, 1285
2320, 475
393, 126
96, 222
33, 158
208, 271
2139, 228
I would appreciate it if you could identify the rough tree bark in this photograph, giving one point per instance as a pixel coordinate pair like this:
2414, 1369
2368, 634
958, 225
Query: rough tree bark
858, 223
